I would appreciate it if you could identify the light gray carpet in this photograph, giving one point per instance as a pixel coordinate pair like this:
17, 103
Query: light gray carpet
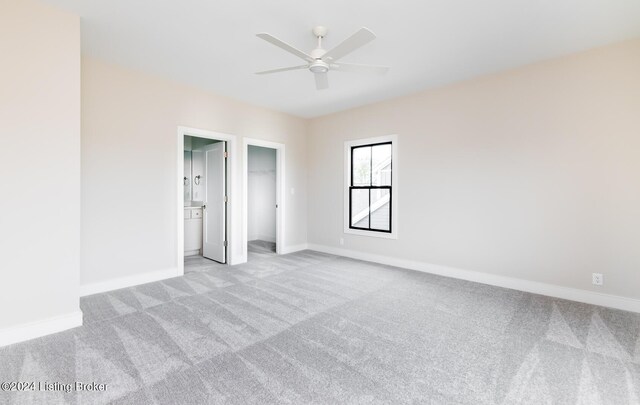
314, 328
256, 250
199, 264
260, 249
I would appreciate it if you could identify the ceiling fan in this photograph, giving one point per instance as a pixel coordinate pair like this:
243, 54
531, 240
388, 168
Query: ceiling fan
320, 61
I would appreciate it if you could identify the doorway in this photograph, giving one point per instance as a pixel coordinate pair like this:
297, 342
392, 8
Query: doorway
263, 198
261, 201
205, 197
204, 225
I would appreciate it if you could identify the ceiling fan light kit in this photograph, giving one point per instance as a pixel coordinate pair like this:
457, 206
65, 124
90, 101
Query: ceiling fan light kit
319, 67
320, 61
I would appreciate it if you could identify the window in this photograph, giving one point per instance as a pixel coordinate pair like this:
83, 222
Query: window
370, 196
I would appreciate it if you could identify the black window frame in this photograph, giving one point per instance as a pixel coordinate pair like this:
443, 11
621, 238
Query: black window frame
371, 187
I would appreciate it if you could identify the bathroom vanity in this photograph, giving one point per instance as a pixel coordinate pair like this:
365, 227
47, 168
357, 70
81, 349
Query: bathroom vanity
192, 230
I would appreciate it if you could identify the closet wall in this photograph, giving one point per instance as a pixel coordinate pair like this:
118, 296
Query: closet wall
261, 188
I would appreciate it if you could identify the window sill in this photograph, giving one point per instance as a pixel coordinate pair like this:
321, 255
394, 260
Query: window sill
373, 234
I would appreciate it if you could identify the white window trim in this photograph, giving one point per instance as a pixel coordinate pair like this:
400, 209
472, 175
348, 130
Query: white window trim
394, 182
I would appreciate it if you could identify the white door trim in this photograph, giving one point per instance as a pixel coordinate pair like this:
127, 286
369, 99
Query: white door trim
280, 191
234, 208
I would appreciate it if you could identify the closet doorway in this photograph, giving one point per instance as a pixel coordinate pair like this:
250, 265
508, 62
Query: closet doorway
264, 198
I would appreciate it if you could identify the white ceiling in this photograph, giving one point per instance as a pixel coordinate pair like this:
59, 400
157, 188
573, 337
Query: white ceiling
211, 44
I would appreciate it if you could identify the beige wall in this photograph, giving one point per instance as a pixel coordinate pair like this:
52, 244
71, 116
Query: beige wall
533, 173
129, 195
39, 165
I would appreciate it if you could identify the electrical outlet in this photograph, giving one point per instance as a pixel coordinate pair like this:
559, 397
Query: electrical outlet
342, 241
597, 279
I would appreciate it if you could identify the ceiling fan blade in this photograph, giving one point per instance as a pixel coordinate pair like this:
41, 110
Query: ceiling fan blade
322, 81
356, 68
264, 72
283, 45
362, 37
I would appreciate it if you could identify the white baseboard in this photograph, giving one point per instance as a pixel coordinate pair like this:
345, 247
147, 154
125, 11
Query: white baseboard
294, 248
128, 281
551, 290
32, 330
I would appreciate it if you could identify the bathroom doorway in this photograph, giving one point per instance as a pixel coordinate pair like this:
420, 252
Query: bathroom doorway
204, 221
264, 186
205, 196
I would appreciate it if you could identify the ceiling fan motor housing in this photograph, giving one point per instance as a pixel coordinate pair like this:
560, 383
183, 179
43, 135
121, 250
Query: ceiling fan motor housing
317, 53
318, 65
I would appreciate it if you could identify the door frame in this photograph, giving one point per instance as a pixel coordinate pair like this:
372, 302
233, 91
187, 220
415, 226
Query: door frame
280, 191
234, 207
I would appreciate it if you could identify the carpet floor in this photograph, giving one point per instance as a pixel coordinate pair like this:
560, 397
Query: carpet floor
260, 249
315, 328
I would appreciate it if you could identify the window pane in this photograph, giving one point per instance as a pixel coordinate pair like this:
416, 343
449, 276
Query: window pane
361, 166
381, 164
380, 209
360, 208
